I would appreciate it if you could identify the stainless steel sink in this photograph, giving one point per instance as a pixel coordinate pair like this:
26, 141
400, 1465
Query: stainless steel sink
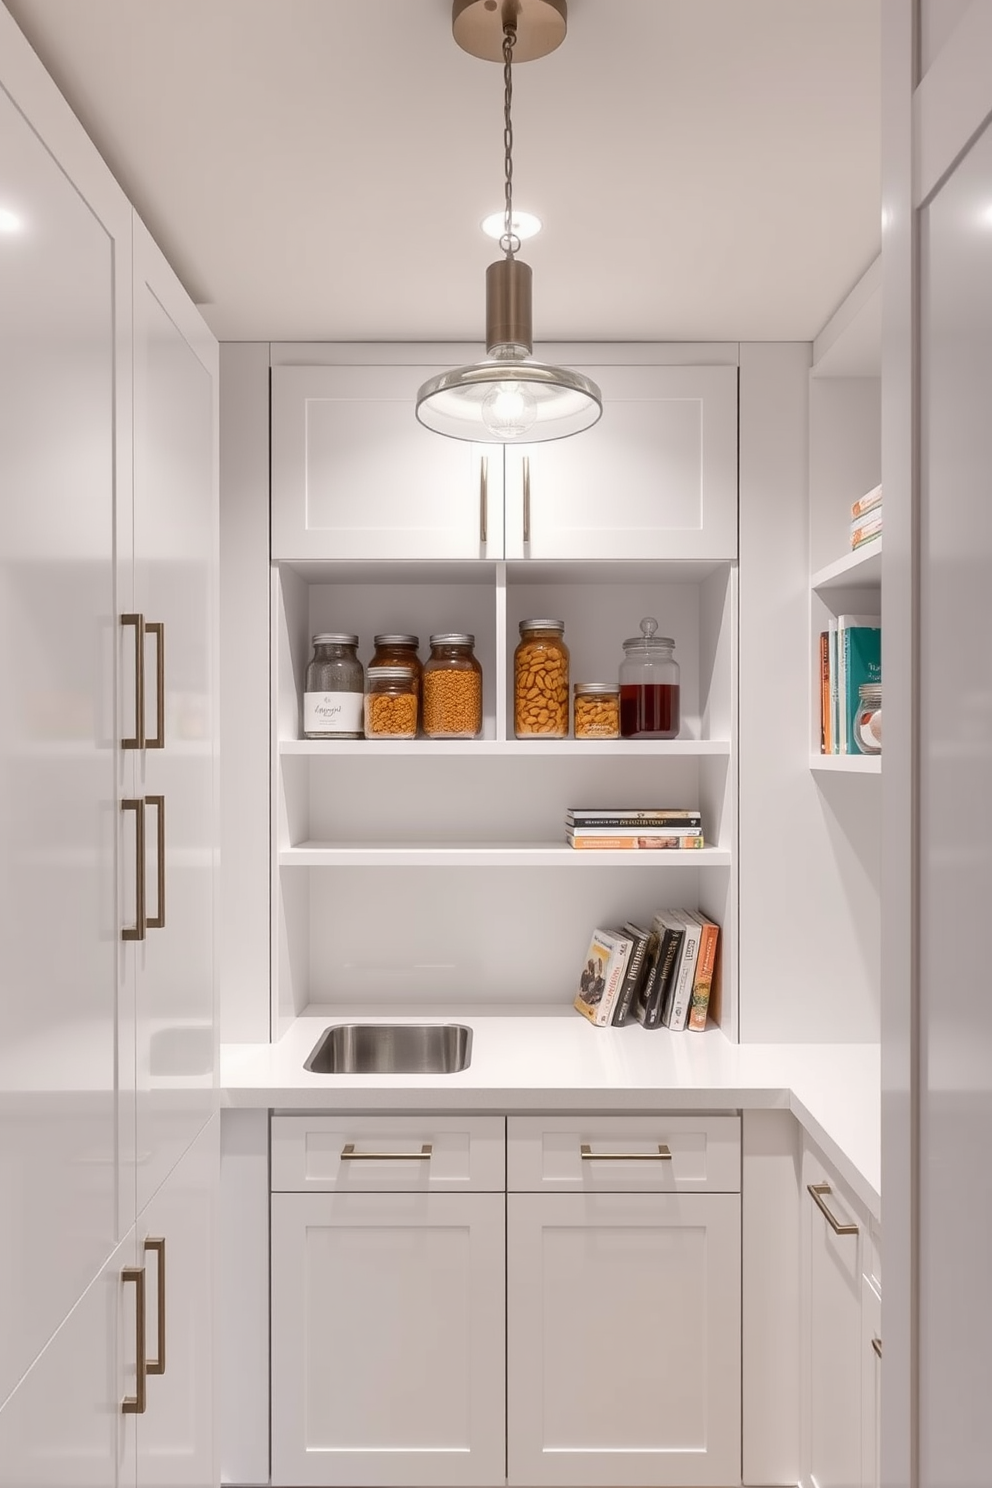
391, 1049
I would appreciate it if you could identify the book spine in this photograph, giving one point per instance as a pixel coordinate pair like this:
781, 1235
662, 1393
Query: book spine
632, 977
832, 647
644, 830
678, 1010
864, 531
614, 980
824, 692
703, 981
641, 843
649, 823
841, 686
866, 503
671, 944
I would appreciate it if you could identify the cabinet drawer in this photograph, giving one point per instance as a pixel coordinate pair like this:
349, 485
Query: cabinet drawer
623, 1154
388, 1154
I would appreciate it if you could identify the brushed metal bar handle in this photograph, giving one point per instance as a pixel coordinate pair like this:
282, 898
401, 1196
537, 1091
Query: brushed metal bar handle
157, 629
662, 1155
157, 921
348, 1152
876, 1344
157, 1246
526, 465
484, 499
137, 741
137, 930
815, 1190
134, 1405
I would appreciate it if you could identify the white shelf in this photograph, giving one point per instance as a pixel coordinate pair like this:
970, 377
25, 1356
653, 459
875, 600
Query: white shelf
506, 747
862, 568
492, 855
850, 764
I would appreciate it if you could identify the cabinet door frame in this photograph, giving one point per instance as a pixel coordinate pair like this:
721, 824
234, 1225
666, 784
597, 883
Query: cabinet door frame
483, 1462
530, 1463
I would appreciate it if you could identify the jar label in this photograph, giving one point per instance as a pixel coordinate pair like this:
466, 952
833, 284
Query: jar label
332, 713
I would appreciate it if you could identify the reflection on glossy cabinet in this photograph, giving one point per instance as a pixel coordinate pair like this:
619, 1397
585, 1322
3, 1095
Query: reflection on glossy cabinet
623, 1339
388, 1339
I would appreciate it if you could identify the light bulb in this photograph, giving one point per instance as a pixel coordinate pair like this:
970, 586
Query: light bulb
509, 410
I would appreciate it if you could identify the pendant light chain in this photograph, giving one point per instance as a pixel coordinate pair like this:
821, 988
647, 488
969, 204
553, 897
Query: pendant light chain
509, 242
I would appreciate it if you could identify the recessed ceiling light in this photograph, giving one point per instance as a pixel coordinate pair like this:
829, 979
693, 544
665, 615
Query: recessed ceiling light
9, 221
524, 224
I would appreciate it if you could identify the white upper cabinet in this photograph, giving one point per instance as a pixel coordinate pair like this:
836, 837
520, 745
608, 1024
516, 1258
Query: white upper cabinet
354, 476
655, 478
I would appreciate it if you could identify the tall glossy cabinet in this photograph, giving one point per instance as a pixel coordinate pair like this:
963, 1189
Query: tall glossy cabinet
108, 1136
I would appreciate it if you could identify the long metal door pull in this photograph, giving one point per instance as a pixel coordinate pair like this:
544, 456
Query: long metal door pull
137, 930
348, 1151
662, 1155
137, 739
157, 1247
816, 1190
157, 629
484, 500
134, 1405
157, 920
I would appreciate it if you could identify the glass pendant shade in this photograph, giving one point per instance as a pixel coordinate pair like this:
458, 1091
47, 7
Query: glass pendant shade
509, 396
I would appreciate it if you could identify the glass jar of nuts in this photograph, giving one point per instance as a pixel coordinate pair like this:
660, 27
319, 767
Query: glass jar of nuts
540, 681
390, 703
596, 710
452, 689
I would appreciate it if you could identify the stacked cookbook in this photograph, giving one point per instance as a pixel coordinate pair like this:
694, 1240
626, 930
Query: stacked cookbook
660, 976
610, 829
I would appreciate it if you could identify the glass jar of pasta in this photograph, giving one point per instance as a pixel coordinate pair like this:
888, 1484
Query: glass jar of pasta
399, 650
390, 703
452, 695
540, 681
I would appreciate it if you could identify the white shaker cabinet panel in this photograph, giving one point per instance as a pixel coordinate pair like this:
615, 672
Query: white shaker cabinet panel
175, 1435
175, 583
354, 475
59, 462
871, 1385
623, 1340
388, 1341
63, 1427
655, 478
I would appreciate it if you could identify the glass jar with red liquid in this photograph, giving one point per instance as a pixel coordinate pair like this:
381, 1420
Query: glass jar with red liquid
649, 686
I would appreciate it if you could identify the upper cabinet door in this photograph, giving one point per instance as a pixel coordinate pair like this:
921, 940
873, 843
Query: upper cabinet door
354, 475
655, 478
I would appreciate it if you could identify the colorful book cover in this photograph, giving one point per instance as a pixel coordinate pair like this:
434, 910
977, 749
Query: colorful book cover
862, 663
824, 692
645, 842
637, 967
602, 975
680, 819
866, 503
674, 1016
655, 987
702, 985
832, 648
864, 531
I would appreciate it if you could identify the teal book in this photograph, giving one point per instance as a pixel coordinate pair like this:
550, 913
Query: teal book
859, 639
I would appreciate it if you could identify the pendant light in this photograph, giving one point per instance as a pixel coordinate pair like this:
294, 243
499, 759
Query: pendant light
509, 396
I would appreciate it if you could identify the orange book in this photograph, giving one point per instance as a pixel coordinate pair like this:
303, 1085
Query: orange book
825, 739
702, 984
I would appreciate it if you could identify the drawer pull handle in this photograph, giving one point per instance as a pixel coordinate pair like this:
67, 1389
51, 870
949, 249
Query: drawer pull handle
484, 500
526, 465
134, 1405
815, 1190
876, 1344
157, 1247
348, 1151
662, 1155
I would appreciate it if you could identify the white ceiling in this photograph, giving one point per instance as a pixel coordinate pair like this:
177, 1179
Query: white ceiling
317, 169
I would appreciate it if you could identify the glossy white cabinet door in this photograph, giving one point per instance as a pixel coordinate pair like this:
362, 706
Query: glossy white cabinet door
623, 1339
58, 789
831, 1334
871, 1384
175, 567
175, 1435
63, 1427
354, 475
388, 1339
655, 478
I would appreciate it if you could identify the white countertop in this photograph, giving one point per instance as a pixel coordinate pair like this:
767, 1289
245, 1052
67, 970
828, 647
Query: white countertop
551, 1059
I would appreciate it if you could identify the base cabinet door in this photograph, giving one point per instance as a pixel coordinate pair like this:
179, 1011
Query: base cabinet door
871, 1384
623, 1340
388, 1339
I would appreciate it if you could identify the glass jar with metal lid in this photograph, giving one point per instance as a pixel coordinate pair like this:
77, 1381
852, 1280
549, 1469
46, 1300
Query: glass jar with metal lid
399, 650
868, 718
540, 681
649, 686
596, 710
332, 700
452, 699
390, 703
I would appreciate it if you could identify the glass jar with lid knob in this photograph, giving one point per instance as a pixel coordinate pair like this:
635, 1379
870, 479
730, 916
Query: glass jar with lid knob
334, 688
650, 705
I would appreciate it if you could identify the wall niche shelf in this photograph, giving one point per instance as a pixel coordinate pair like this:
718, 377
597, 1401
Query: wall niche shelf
849, 764
492, 855
861, 569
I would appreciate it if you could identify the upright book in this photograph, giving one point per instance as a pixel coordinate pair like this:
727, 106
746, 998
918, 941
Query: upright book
702, 984
676, 1012
655, 987
859, 660
637, 967
602, 975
